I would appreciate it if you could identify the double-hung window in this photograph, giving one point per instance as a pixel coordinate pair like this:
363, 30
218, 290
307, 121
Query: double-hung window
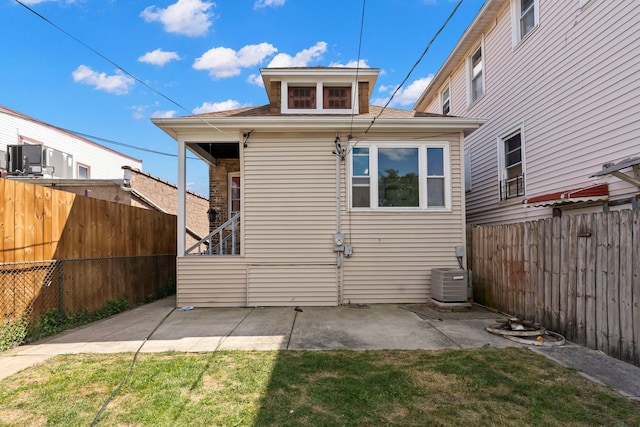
402, 176
511, 165
445, 100
476, 75
525, 18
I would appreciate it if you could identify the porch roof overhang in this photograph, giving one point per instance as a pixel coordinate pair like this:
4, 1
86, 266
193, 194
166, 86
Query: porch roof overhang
226, 129
594, 193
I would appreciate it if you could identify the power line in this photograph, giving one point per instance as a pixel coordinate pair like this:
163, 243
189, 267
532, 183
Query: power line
122, 144
426, 49
364, 2
48, 21
97, 138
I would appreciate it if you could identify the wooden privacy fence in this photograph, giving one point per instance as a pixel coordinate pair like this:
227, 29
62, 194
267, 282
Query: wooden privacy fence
577, 275
61, 250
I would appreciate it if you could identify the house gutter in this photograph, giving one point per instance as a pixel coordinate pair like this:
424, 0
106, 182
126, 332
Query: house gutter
174, 126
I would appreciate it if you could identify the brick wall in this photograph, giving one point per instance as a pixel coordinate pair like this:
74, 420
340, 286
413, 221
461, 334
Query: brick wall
165, 195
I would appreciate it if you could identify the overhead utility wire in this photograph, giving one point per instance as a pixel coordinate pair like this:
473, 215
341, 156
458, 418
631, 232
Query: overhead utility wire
353, 107
97, 138
122, 144
116, 65
426, 49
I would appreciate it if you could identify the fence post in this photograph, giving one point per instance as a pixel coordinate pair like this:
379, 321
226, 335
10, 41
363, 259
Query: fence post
61, 286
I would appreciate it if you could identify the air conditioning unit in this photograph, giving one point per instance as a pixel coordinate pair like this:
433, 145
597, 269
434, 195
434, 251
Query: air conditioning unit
449, 285
24, 159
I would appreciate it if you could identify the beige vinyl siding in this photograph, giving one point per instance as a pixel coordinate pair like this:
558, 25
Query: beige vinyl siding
574, 85
394, 252
292, 285
209, 281
289, 219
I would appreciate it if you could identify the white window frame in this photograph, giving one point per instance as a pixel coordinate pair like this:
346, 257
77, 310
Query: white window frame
82, 165
230, 177
422, 175
445, 99
284, 96
516, 15
470, 74
502, 168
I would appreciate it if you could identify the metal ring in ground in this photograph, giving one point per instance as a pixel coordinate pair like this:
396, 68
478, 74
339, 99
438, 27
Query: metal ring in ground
499, 329
556, 339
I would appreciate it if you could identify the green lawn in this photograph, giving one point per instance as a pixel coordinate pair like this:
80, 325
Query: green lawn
485, 386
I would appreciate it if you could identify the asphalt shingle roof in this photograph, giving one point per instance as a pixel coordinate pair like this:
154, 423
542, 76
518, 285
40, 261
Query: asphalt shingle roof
265, 111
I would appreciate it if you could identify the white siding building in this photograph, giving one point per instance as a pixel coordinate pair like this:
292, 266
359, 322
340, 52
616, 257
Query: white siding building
558, 83
62, 154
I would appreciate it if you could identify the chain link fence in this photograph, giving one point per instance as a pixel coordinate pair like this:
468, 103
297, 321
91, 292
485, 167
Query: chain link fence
29, 289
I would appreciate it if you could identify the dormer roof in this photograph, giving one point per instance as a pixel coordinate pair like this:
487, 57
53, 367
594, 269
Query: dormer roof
317, 74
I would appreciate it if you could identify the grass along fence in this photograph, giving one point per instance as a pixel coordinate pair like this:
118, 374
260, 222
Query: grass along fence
577, 275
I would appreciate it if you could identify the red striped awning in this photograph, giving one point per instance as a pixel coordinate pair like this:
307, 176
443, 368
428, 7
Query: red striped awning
593, 193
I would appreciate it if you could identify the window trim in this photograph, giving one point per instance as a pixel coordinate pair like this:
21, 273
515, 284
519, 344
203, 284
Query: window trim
443, 100
479, 47
422, 176
314, 96
82, 165
230, 177
284, 96
348, 98
502, 167
516, 28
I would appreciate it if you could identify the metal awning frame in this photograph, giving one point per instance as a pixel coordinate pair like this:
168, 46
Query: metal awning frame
615, 168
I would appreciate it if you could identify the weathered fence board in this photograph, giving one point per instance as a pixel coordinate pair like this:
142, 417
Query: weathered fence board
578, 275
39, 224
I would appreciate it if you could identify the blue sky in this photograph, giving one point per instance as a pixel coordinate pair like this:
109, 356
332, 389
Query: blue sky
202, 55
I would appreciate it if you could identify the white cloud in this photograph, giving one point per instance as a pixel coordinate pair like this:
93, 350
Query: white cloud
259, 4
301, 59
223, 62
163, 114
118, 83
139, 111
255, 79
188, 17
362, 63
158, 57
211, 107
404, 97
399, 154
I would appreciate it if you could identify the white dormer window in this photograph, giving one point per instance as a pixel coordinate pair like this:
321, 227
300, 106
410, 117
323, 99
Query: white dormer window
319, 98
302, 98
336, 98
